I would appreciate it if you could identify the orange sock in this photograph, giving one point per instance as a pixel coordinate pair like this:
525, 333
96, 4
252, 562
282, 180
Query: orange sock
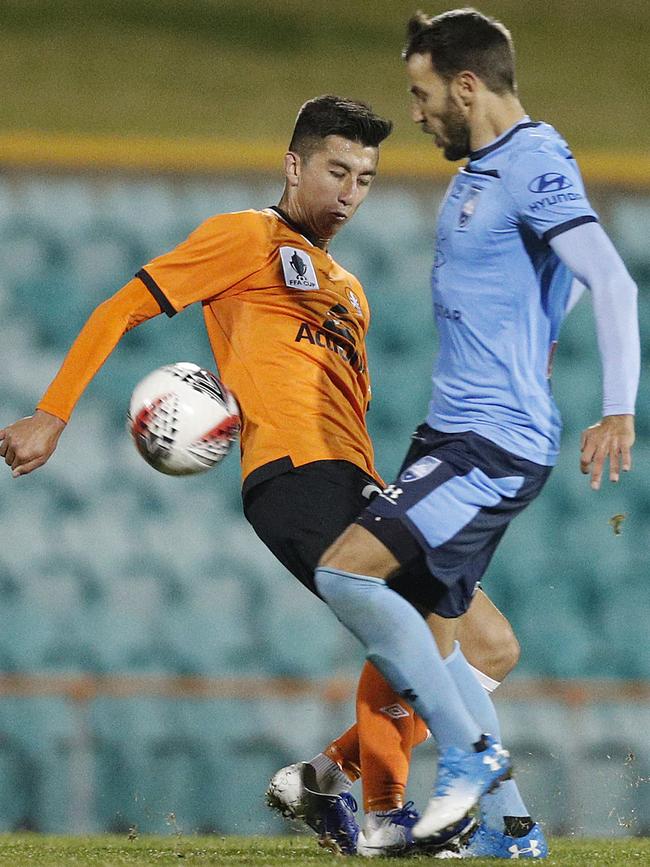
345, 752
386, 725
380, 743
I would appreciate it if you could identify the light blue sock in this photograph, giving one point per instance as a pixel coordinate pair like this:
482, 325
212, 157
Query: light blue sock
505, 800
398, 641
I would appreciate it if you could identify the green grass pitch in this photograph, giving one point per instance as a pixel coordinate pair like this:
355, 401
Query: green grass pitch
19, 850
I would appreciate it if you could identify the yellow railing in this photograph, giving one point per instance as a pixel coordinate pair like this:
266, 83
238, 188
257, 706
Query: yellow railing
55, 151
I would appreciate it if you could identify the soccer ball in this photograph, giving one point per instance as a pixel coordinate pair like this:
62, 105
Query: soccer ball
183, 419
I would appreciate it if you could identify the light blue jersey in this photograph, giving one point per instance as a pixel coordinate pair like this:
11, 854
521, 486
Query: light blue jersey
500, 293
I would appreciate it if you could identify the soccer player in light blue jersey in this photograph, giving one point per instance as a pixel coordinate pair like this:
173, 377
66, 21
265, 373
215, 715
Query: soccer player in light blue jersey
517, 240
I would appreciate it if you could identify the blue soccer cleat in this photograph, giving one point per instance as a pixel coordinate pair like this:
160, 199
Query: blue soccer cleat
489, 843
294, 793
462, 778
332, 818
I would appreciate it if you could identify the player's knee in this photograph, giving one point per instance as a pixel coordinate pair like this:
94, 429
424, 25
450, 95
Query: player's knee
502, 652
494, 649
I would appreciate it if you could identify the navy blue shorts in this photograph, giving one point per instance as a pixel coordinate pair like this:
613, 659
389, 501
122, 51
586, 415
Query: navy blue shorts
300, 511
445, 514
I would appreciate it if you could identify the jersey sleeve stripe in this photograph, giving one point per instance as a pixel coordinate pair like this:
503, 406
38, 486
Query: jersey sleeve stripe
165, 304
565, 227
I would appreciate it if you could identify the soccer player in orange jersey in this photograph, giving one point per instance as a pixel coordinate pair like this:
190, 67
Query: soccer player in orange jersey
287, 326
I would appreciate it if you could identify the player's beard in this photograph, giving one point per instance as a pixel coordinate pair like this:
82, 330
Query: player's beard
456, 132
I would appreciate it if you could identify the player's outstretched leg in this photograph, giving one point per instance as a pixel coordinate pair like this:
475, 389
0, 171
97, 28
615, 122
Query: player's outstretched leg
463, 777
294, 792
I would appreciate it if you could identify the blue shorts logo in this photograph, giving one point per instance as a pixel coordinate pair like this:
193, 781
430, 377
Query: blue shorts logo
420, 469
551, 182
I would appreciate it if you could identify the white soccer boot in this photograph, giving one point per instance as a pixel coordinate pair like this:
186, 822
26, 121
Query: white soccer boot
293, 791
286, 791
388, 832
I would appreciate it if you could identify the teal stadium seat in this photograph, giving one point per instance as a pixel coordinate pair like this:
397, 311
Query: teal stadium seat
577, 393
30, 251
113, 785
577, 341
180, 758
33, 263
134, 724
556, 640
224, 611
314, 643
629, 219
63, 203
102, 255
541, 777
179, 782
613, 808
49, 731
539, 737
19, 782
625, 632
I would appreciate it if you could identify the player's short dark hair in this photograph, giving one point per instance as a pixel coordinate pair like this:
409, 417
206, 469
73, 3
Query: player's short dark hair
336, 115
465, 39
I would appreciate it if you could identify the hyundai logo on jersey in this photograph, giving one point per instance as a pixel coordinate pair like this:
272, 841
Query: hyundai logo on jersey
551, 182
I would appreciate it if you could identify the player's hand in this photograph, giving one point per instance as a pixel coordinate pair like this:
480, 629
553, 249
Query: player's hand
26, 444
612, 438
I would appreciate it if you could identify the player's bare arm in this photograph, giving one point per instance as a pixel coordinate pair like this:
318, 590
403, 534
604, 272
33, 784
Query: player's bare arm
29, 442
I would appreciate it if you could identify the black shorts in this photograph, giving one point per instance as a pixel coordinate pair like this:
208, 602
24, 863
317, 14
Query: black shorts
446, 513
299, 513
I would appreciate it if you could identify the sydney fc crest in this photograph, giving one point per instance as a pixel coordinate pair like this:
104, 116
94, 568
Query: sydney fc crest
469, 206
420, 469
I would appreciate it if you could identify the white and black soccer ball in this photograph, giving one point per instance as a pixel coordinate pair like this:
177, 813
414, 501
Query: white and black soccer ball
183, 419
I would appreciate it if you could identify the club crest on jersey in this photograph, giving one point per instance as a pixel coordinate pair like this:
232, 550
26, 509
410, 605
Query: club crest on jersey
420, 469
298, 269
469, 206
354, 301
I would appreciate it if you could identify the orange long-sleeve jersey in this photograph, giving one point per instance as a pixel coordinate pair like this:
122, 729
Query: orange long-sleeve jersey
287, 327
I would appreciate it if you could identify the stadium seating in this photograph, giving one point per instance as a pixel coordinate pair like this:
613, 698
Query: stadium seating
17, 796
107, 567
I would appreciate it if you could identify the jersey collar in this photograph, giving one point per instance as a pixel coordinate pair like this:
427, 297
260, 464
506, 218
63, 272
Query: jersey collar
293, 225
505, 137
